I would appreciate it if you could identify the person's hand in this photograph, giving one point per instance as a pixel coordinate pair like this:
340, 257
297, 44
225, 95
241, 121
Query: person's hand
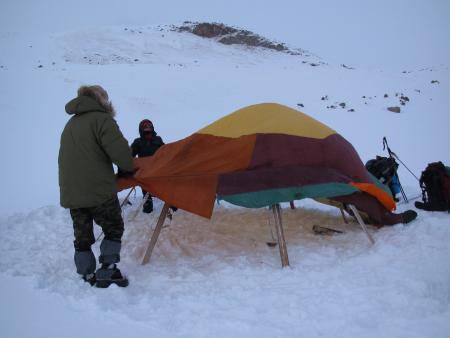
125, 174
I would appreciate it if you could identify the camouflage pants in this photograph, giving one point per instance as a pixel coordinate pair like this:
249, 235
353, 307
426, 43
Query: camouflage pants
108, 216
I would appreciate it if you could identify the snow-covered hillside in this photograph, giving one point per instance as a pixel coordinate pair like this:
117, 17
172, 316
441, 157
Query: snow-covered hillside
217, 277
183, 82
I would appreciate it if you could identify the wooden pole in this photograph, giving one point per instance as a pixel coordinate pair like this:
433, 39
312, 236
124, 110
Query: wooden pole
272, 243
146, 197
280, 235
292, 205
343, 215
155, 235
361, 222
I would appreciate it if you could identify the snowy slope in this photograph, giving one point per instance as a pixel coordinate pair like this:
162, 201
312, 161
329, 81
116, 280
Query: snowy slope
184, 82
218, 277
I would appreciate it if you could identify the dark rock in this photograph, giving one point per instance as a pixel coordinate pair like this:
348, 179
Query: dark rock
417, 90
251, 41
313, 64
386, 95
435, 81
136, 60
346, 67
342, 104
404, 98
300, 105
231, 36
40, 66
324, 98
394, 109
210, 30
351, 110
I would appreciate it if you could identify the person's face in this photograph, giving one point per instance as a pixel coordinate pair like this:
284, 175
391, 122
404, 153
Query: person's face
148, 129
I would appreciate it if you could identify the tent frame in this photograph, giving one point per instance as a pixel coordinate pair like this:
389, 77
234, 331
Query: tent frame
276, 210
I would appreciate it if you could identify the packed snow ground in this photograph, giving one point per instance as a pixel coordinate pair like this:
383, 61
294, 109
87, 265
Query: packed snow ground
218, 277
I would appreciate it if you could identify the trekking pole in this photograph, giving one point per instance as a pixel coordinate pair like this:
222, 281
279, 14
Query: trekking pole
121, 206
392, 154
402, 191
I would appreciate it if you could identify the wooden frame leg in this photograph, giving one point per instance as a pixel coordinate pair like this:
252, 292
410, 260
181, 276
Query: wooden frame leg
343, 216
147, 195
155, 235
271, 242
280, 235
361, 222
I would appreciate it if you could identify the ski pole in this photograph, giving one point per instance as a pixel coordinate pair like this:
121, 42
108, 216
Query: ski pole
392, 154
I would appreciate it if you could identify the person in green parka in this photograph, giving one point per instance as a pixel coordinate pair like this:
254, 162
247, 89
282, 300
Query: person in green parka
91, 143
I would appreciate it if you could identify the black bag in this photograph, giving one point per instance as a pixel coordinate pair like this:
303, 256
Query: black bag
435, 185
383, 168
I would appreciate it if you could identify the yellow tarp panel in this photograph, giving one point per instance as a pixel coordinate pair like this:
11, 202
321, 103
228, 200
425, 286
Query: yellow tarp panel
269, 118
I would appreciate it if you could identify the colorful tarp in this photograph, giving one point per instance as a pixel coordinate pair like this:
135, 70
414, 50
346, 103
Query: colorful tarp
257, 156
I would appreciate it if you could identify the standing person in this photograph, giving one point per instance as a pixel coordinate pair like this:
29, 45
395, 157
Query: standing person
91, 143
146, 145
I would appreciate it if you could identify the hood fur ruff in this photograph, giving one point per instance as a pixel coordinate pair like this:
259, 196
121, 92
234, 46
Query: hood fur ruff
100, 95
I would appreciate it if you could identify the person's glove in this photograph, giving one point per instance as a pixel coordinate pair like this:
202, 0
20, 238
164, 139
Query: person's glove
125, 174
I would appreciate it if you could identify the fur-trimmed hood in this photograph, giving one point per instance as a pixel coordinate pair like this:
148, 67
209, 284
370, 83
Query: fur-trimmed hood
90, 98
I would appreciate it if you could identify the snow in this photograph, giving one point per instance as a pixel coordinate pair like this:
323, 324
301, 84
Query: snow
218, 277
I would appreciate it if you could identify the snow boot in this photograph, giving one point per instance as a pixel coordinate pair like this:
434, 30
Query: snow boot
429, 206
148, 206
109, 274
409, 216
89, 278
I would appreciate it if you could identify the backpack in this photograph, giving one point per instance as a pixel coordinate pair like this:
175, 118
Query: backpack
435, 185
383, 168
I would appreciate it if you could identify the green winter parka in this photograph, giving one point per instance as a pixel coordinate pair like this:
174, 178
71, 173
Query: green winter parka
90, 143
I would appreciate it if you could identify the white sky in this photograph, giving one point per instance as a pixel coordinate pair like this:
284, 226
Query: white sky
346, 31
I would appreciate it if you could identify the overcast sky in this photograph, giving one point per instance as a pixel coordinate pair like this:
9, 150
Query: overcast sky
378, 34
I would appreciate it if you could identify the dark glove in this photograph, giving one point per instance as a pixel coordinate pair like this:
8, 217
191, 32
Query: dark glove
125, 174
